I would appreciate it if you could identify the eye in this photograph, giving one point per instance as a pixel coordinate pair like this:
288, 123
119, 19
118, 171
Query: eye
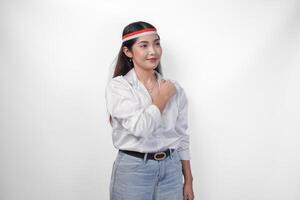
144, 45
158, 43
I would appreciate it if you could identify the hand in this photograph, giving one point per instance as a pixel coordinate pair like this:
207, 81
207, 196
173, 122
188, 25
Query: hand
167, 88
161, 95
188, 193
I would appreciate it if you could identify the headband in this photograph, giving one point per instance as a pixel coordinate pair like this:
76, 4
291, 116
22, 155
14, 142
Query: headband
135, 34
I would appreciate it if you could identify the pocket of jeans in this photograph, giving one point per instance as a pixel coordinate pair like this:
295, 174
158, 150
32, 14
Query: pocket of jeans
130, 163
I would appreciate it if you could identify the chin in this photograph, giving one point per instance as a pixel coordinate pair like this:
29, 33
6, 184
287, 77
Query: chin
154, 66
150, 67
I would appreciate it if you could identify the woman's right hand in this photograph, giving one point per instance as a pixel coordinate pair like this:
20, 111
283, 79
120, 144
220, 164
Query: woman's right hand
161, 95
167, 89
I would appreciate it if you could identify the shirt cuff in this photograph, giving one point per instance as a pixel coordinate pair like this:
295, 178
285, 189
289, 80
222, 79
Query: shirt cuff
185, 154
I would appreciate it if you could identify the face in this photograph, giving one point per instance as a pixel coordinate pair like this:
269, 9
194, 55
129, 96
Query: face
146, 52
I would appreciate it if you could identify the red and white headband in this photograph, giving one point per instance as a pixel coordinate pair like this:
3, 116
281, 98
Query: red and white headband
135, 34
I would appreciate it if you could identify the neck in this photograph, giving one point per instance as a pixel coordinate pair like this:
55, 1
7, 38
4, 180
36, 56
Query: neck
145, 76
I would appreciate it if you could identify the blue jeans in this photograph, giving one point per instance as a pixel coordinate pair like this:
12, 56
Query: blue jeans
135, 178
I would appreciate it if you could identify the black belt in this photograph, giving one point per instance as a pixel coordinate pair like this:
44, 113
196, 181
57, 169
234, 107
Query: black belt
152, 156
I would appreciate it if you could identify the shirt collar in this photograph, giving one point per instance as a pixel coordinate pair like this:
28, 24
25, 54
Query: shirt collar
133, 79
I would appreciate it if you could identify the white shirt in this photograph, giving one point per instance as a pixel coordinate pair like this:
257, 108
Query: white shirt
138, 125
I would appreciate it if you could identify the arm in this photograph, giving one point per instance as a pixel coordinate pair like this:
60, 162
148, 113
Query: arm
184, 146
187, 172
188, 180
181, 126
125, 108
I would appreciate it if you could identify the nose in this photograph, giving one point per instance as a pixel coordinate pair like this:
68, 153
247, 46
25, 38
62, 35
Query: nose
151, 50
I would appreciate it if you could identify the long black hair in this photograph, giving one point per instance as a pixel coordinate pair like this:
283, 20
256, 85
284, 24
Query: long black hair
123, 64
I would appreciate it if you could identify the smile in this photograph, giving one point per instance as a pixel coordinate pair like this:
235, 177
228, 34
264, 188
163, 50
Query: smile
152, 59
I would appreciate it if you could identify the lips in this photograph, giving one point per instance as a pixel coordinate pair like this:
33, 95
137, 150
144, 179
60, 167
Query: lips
152, 59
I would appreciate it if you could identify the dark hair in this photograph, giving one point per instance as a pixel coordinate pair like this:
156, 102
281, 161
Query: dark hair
123, 64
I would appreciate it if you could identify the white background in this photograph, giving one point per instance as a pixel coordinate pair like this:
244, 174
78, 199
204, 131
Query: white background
237, 60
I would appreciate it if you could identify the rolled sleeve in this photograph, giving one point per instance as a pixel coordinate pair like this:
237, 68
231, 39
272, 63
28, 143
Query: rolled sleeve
184, 154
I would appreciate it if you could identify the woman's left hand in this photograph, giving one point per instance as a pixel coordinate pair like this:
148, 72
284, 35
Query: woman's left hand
188, 193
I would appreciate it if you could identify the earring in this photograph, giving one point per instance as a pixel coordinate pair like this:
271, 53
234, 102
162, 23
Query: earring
130, 60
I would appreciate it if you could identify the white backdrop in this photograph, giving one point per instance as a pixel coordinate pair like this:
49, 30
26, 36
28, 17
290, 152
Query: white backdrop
238, 62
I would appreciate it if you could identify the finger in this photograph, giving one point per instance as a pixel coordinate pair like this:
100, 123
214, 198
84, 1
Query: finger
188, 197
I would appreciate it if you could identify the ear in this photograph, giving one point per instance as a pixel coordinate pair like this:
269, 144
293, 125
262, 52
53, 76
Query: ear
127, 52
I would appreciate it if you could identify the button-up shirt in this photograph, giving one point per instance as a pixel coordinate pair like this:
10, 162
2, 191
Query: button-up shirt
138, 124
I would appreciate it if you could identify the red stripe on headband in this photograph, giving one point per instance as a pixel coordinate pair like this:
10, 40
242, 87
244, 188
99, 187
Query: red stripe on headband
138, 32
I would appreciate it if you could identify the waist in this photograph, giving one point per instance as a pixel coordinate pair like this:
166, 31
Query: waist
152, 156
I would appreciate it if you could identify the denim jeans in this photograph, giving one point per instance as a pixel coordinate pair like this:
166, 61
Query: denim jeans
135, 178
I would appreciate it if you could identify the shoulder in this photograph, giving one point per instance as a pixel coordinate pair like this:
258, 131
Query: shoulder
117, 82
118, 86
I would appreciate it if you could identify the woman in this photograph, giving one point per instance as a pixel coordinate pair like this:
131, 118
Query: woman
148, 115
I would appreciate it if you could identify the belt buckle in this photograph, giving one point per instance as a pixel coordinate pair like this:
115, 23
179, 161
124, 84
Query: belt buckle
160, 156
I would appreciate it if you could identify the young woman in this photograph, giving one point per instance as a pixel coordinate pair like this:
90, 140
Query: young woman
148, 115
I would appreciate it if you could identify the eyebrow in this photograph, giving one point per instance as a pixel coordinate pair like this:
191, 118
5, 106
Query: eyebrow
148, 42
